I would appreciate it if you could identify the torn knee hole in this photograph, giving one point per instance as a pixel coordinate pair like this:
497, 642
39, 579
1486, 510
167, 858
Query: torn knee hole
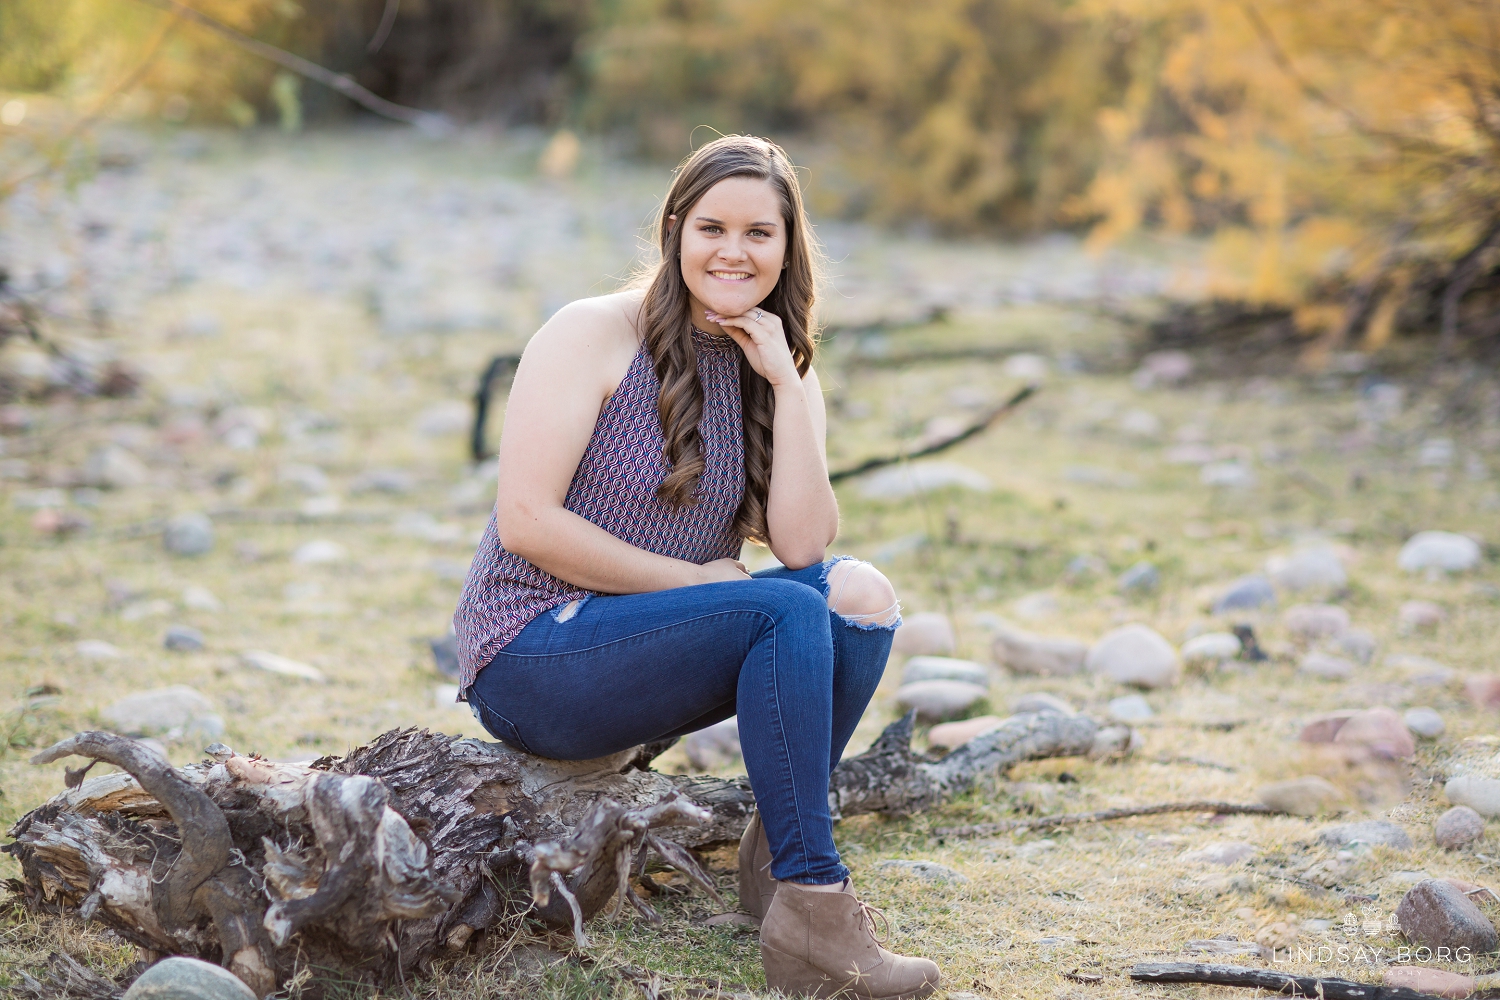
861, 595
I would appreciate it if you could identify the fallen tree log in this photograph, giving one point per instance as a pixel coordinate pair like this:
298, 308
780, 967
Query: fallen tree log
375, 863
1323, 988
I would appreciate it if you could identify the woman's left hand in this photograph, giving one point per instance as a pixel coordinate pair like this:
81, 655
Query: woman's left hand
762, 338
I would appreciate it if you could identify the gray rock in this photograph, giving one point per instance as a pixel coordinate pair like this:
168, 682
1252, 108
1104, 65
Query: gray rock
1135, 655
1081, 567
183, 639
394, 481
1439, 551
1371, 832
180, 978
317, 551
1041, 701
196, 598
445, 656
1313, 567
1424, 722
927, 633
173, 711
1315, 621
1114, 741
1222, 853
190, 534
1458, 827
113, 468
307, 478
1306, 796
1248, 593
1436, 914
1048, 656
1211, 647
1357, 644
1227, 475
908, 480
1130, 708
1328, 668
1142, 578
928, 871
1480, 794
938, 701
944, 668
715, 746
97, 649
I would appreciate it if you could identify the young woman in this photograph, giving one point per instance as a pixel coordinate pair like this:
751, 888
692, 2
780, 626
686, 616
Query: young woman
649, 434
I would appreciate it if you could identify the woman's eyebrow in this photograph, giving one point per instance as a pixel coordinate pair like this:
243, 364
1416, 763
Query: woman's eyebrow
720, 222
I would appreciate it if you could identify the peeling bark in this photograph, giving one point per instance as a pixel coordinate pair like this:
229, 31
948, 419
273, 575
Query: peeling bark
374, 863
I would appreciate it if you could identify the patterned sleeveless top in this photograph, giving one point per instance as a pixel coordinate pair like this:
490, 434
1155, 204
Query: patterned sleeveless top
615, 488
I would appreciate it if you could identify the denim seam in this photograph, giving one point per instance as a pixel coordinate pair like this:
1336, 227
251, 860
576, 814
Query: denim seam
514, 728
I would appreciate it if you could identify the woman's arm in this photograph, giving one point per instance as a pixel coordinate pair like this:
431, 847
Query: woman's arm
801, 511
567, 371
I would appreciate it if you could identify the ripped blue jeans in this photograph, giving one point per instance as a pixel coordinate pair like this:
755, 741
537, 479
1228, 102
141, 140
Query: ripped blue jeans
619, 670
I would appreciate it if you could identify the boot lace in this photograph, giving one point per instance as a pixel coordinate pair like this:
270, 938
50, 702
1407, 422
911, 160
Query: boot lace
881, 932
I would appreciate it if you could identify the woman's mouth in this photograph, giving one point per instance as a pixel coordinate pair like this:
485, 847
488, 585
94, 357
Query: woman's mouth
730, 275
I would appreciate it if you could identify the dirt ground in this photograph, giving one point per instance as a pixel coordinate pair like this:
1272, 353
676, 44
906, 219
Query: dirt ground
326, 302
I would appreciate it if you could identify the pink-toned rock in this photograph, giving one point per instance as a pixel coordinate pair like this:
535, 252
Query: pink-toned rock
927, 633
1381, 729
1324, 727
1483, 690
1420, 616
952, 735
1434, 982
1315, 621
1458, 827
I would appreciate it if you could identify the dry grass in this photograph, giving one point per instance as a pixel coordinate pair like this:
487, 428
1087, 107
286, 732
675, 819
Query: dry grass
1034, 907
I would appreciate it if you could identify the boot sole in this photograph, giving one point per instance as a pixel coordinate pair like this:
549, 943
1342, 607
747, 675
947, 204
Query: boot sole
795, 977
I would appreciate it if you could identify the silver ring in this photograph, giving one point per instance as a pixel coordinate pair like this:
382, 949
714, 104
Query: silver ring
759, 315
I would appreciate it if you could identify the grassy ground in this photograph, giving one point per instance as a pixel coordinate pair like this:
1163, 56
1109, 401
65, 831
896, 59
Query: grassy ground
1069, 476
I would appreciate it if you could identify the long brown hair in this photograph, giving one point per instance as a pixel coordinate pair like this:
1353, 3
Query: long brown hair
666, 324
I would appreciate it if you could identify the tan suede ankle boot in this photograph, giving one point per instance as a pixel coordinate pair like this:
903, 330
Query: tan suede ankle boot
757, 887
818, 944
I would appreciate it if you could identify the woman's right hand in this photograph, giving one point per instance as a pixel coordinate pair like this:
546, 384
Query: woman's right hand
722, 571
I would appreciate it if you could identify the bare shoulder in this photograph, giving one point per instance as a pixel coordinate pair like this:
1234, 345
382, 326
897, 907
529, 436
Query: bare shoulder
594, 336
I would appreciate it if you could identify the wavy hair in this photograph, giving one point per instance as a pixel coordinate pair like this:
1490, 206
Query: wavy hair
666, 324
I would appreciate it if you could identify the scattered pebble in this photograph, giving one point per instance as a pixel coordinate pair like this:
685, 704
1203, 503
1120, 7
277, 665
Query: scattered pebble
1458, 827
190, 534
1227, 475
715, 746
1421, 670
1162, 368
445, 656
1221, 853
1028, 367
319, 551
1435, 914
1306, 796
451, 416
112, 467
1433, 982
1035, 606
1416, 616
1371, 832
1440, 552
97, 649
1424, 722
1381, 730
394, 481
1130, 708
1483, 690
1248, 593
1324, 726
1211, 647
1081, 567
196, 598
1333, 668
927, 633
307, 478
952, 735
1312, 567
183, 639
938, 701
276, 664
944, 668
181, 978
1356, 643
1480, 794
1142, 578
1137, 655
138, 610
1049, 656
1041, 701
928, 871
1315, 621
908, 480
1114, 741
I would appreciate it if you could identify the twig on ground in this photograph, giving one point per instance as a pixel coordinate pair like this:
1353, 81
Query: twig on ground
1265, 979
1195, 762
977, 427
427, 121
1105, 815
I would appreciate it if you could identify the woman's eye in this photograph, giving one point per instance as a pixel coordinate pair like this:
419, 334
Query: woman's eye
759, 232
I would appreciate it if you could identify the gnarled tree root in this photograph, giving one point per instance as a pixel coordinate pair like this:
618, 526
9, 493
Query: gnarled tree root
374, 863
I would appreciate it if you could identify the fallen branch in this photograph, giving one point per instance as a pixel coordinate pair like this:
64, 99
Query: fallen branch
1265, 979
1105, 815
977, 427
427, 121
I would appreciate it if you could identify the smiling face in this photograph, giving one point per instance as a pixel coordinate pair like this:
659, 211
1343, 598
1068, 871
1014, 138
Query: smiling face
733, 244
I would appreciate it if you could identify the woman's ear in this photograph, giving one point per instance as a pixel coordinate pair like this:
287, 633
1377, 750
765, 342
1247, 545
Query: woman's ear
671, 223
